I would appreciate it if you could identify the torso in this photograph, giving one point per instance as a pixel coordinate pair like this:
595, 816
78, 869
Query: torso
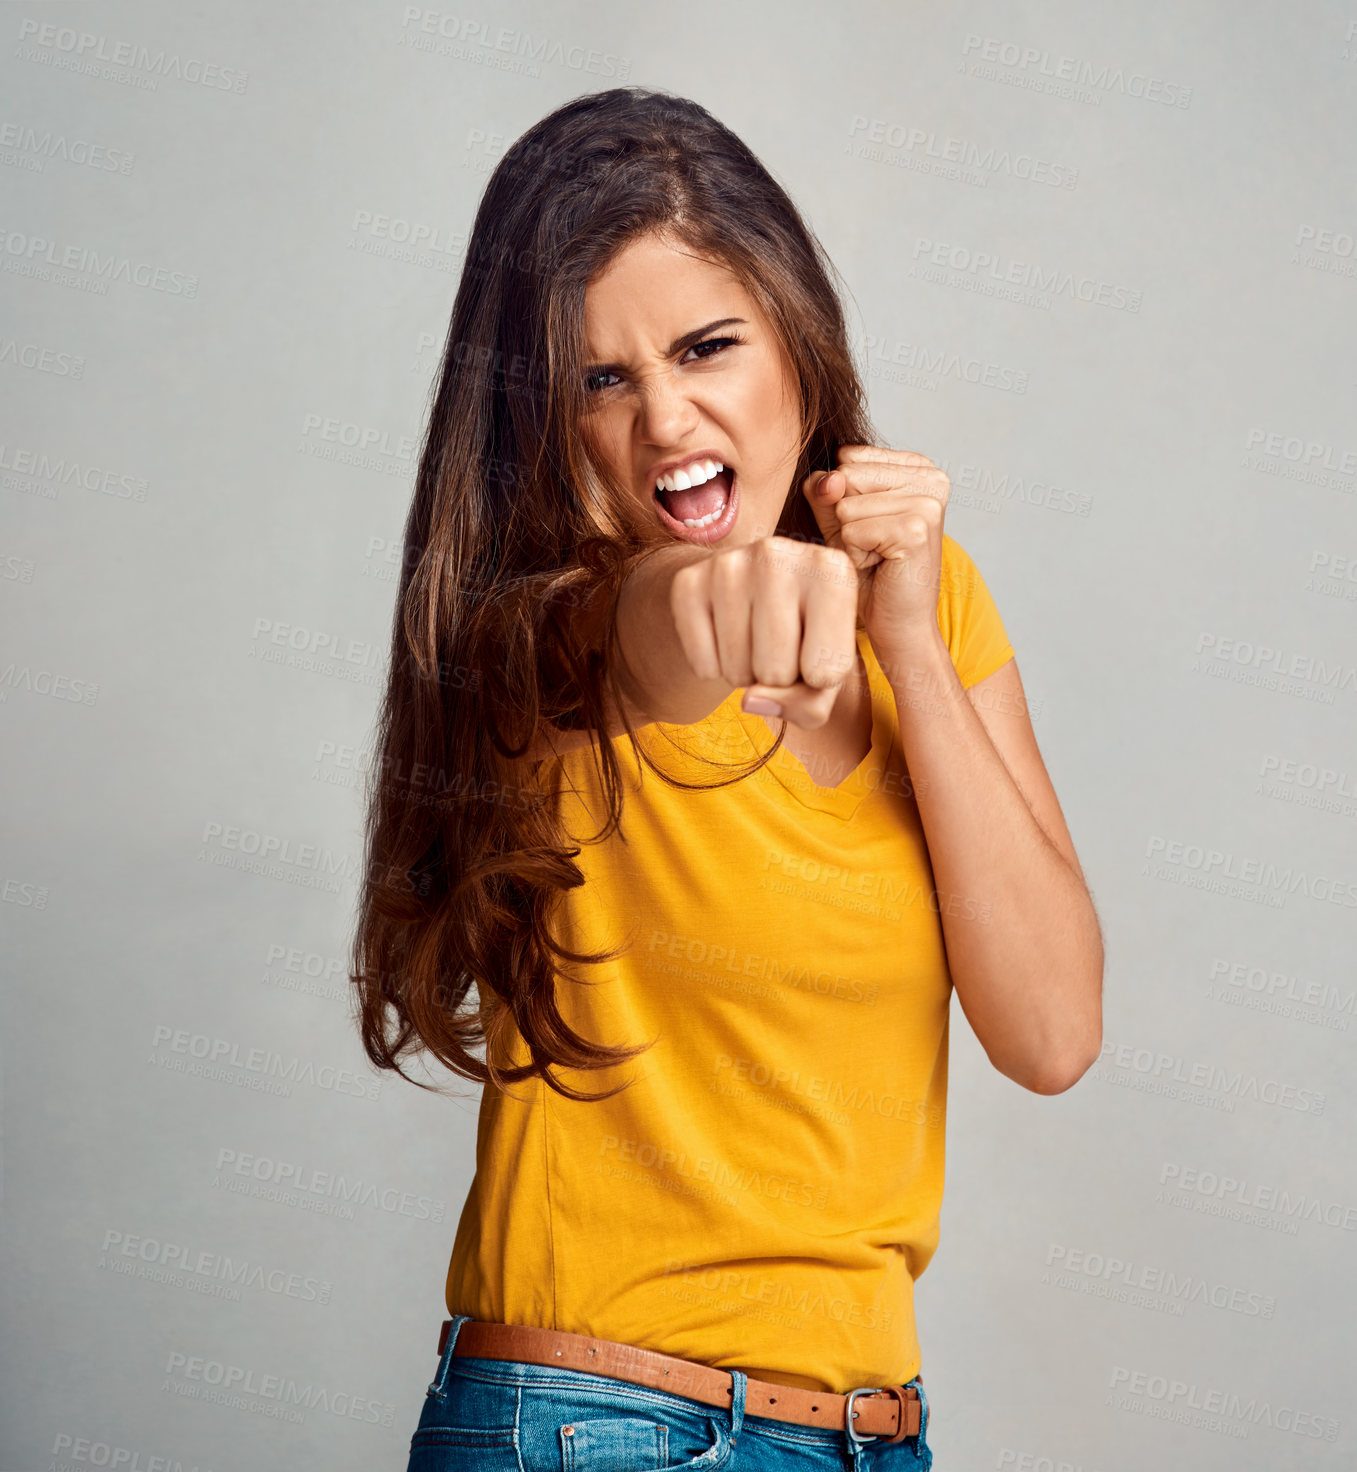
836, 749
869, 1024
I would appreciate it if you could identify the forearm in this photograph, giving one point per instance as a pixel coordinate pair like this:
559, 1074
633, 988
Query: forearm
1023, 943
655, 676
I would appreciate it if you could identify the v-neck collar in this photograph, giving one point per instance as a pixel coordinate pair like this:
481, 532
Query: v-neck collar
845, 799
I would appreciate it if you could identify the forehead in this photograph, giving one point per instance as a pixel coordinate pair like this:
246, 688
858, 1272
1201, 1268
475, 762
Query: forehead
654, 289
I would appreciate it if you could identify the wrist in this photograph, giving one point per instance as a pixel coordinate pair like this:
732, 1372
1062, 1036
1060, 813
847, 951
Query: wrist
659, 682
917, 664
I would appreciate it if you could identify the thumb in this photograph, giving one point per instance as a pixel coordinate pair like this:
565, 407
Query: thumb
824, 489
803, 705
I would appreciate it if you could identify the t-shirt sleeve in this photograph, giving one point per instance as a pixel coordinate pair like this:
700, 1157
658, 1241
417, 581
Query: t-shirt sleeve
968, 618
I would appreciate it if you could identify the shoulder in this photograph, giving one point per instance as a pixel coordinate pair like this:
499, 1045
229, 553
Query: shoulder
958, 566
968, 618
961, 586
957, 579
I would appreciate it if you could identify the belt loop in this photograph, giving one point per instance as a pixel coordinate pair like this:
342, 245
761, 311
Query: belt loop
739, 1384
925, 1451
438, 1385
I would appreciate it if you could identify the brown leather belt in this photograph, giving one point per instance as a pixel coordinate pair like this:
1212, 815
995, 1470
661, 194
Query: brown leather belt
891, 1413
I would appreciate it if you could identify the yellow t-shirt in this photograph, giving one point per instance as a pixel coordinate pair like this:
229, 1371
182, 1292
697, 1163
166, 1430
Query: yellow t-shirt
766, 1191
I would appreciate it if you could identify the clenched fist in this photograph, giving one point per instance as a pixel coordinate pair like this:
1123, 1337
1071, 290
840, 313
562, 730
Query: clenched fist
777, 617
885, 508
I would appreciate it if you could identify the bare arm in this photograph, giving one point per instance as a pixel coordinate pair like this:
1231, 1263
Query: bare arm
656, 676
694, 624
1024, 945
657, 682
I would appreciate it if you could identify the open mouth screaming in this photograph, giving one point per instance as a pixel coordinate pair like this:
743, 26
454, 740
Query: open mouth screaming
698, 500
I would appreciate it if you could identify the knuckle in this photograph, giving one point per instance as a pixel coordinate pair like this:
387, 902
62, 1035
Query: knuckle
729, 569
826, 669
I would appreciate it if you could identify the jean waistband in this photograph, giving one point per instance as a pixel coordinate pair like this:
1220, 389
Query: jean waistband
864, 1415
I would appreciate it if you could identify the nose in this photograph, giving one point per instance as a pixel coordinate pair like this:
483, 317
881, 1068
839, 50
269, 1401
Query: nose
666, 415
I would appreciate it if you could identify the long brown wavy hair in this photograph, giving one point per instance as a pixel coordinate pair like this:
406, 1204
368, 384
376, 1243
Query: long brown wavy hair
516, 547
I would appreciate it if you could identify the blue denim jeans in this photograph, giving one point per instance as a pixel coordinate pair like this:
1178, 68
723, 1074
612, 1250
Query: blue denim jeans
511, 1416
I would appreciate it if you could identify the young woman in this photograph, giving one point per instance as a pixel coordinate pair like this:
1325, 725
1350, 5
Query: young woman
704, 776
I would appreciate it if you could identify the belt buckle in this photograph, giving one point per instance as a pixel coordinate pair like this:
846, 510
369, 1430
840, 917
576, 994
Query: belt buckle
854, 1435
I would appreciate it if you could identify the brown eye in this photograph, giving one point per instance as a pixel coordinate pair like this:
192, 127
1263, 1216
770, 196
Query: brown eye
715, 343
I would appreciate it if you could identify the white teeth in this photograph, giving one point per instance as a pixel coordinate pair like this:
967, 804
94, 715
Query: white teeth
696, 474
707, 520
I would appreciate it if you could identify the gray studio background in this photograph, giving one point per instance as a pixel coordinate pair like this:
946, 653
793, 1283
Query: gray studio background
1102, 269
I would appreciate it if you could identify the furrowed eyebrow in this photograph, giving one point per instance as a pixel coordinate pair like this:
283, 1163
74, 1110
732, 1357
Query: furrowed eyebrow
679, 344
